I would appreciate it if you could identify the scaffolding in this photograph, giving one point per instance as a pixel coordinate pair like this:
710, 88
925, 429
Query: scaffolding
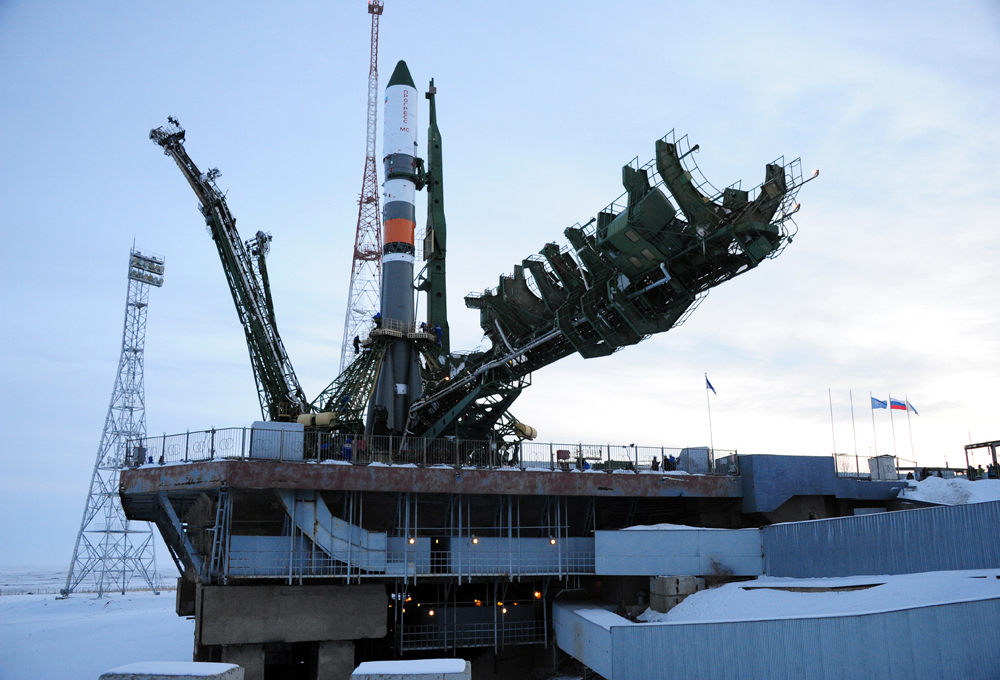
110, 550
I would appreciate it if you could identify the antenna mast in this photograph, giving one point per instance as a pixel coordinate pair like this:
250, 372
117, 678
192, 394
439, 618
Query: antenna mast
110, 548
366, 270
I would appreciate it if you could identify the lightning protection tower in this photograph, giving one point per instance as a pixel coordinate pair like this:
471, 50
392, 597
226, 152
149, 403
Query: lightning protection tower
366, 270
111, 551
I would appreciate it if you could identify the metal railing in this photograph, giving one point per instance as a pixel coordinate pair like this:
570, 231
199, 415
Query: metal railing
501, 634
346, 449
300, 563
876, 469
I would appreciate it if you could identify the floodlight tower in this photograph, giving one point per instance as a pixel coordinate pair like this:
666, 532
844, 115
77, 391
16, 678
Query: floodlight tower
109, 548
363, 295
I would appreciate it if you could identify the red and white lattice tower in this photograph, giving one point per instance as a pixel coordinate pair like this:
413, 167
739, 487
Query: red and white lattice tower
366, 270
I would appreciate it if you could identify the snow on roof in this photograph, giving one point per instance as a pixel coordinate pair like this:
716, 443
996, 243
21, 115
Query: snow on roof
602, 617
411, 667
954, 491
670, 527
197, 669
769, 598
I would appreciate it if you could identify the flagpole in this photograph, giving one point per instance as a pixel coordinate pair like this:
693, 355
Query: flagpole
708, 400
833, 434
871, 402
894, 454
857, 463
909, 425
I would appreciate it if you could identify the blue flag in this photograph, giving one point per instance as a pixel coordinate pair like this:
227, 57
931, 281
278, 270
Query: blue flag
879, 404
910, 406
708, 385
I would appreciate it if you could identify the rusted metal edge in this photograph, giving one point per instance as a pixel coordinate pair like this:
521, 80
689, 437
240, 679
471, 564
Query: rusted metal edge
239, 474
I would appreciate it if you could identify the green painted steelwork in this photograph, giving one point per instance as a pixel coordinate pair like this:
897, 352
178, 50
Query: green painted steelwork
434, 281
636, 269
281, 397
349, 394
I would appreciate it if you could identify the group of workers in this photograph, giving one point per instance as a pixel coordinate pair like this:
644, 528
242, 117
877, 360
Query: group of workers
991, 472
669, 464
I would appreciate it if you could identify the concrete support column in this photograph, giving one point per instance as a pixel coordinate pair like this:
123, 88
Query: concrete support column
249, 657
335, 660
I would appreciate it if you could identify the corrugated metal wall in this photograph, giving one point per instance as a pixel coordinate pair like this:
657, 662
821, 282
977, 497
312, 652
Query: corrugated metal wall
906, 542
959, 640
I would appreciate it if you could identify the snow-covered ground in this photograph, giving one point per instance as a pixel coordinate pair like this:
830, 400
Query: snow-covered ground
36, 580
761, 599
31, 580
954, 491
79, 638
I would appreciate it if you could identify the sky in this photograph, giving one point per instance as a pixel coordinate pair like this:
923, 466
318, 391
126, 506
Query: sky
889, 287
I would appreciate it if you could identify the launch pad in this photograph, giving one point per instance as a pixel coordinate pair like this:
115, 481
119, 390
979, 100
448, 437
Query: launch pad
405, 509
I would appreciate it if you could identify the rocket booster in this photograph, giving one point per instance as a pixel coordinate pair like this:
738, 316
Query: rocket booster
398, 383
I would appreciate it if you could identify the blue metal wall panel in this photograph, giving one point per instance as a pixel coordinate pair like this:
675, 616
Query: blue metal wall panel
583, 639
960, 640
906, 542
769, 481
653, 552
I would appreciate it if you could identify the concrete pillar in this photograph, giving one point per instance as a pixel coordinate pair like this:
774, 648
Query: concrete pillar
335, 660
249, 657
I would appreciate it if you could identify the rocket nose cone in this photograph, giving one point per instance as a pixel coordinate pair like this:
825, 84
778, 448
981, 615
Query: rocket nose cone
401, 76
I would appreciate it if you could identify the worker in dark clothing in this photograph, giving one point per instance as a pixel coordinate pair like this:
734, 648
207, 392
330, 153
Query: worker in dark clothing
357, 344
439, 333
377, 319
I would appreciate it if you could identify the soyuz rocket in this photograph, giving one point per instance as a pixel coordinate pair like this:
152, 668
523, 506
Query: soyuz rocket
398, 383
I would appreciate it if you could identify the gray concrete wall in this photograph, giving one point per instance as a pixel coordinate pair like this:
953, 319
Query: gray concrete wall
248, 657
239, 615
335, 660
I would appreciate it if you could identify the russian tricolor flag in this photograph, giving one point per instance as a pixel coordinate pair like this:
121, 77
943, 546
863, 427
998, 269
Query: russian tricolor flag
896, 404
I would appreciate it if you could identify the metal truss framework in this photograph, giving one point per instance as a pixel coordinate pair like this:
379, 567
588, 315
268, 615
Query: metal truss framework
110, 550
364, 293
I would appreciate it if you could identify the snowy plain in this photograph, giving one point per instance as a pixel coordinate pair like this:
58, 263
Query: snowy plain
42, 638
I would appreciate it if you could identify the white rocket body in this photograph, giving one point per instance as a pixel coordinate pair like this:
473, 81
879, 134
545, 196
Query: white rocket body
398, 383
